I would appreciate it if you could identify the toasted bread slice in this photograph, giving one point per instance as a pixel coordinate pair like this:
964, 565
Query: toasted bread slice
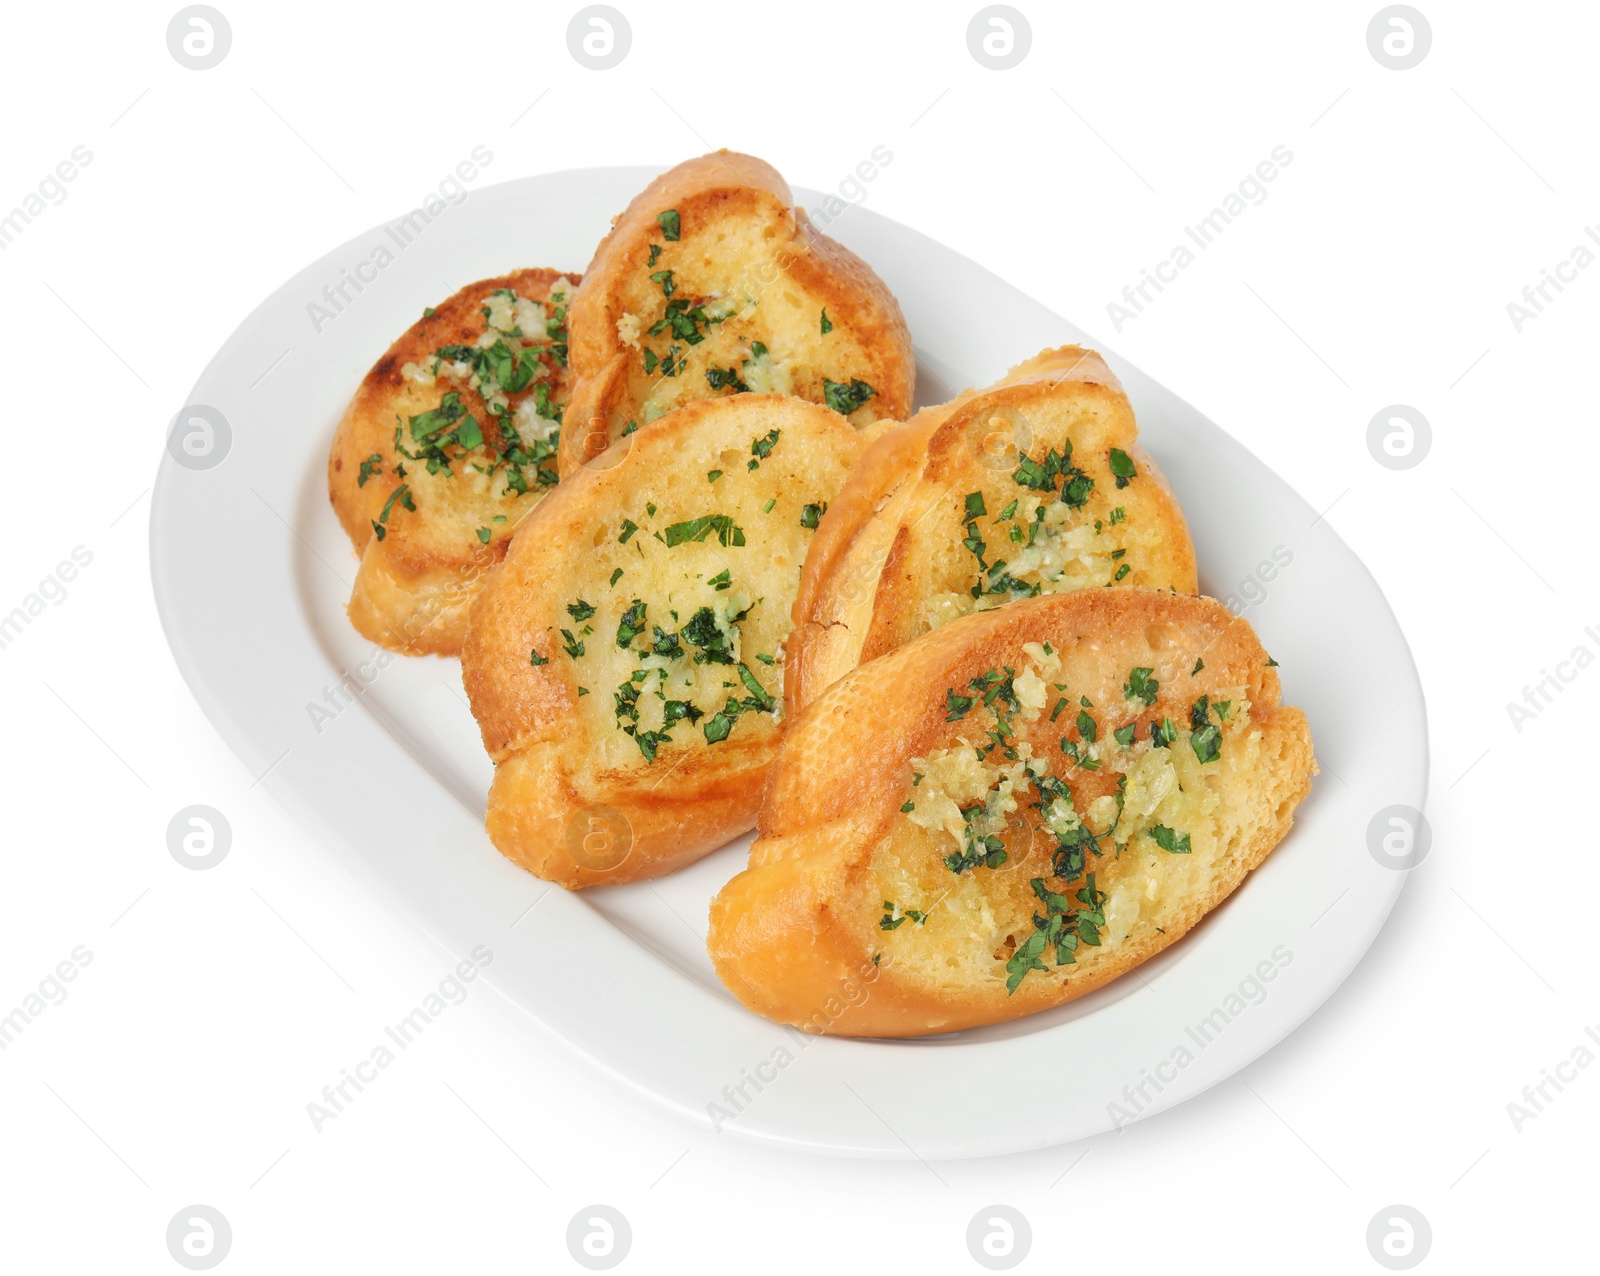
982, 824
448, 444
999, 494
625, 662
712, 283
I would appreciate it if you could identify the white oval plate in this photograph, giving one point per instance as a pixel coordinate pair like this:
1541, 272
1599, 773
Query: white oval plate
251, 574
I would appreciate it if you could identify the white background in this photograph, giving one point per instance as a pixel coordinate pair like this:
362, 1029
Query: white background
1378, 271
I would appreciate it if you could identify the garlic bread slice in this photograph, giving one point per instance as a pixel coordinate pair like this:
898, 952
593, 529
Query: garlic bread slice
1035, 485
447, 445
713, 283
1010, 811
625, 662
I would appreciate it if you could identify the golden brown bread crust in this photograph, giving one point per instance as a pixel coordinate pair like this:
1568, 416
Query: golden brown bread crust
891, 550
417, 580
620, 573
835, 840
743, 243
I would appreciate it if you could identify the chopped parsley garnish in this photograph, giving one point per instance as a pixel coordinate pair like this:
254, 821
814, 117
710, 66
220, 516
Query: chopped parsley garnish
1124, 735
894, 915
655, 254
535, 659
665, 644
574, 646
669, 223
1170, 840
827, 324
975, 506
632, 623
722, 580
1122, 571
845, 399
718, 727
1086, 727
1061, 928
1141, 686
483, 535
1207, 738
767, 508
1121, 466
401, 494
713, 475
761, 448
725, 378
1117, 515
1198, 666
703, 632
987, 850
752, 684
580, 610
698, 529
811, 515
1041, 476
616, 575
372, 465
428, 312
1026, 958
629, 527
956, 706
1163, 733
